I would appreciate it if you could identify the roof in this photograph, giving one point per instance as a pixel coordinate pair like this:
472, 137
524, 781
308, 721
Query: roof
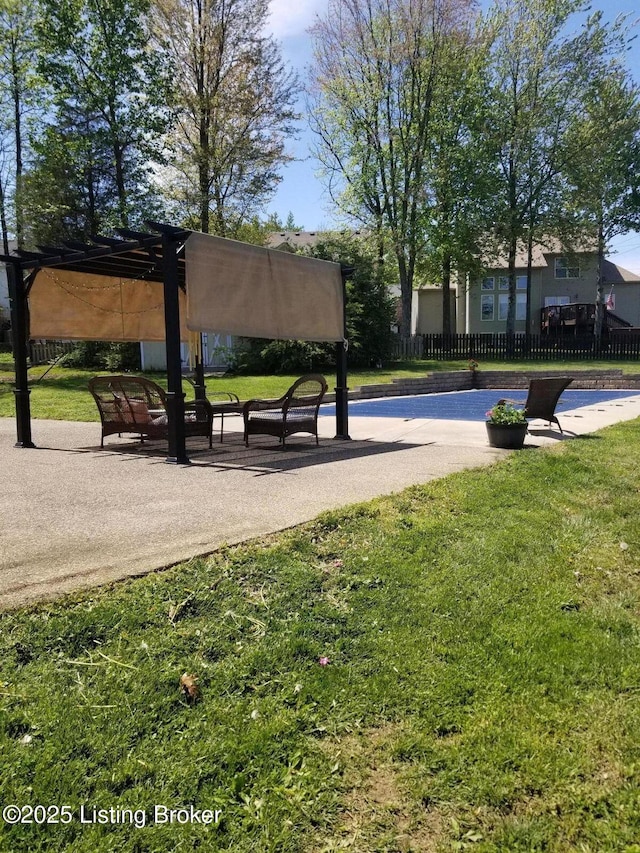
613, 274
550, 246
290, 240
134, 255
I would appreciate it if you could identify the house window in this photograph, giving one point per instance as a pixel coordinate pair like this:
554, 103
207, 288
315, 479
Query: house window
486, 307
565, 270
503, 306
488, 283
521, 282
521, 306
550, 301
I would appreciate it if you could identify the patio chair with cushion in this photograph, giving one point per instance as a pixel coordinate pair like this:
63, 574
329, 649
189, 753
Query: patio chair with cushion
133, 404
543, 397
294, 412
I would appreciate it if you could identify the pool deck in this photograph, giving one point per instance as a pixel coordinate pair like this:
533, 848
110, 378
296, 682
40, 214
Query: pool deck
74, 516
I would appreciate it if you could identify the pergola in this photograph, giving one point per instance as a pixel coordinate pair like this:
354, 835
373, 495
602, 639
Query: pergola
164, 284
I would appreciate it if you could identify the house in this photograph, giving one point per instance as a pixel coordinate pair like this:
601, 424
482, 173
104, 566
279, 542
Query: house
557, 279
216, 351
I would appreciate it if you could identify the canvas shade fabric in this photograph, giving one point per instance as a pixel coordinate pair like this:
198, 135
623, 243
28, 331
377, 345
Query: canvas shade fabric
79, 306
246, 290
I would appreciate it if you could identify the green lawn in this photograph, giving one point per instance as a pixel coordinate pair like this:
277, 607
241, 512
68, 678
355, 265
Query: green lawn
63, 395
481, 692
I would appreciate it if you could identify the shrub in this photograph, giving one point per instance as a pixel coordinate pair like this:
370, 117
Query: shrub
104, 355
264, 356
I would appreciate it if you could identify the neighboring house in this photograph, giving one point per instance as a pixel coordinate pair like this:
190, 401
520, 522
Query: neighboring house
4, 291
481, 306
291, 241
557, 278
426, 315
216, 350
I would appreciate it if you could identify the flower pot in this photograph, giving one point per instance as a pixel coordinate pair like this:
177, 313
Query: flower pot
507, 436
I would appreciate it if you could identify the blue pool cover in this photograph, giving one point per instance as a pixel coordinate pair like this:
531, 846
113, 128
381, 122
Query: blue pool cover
464, 405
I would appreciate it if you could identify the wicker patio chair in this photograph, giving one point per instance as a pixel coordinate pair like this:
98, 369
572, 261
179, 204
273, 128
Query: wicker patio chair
133, 404
296, 411
543, 397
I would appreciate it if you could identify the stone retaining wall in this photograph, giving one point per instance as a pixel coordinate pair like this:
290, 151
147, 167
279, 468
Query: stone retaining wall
465, 380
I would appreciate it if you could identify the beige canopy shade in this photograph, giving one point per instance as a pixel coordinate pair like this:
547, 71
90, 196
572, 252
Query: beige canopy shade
241, 289
83, 306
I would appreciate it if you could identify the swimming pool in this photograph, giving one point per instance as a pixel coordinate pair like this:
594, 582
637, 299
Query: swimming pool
464, 405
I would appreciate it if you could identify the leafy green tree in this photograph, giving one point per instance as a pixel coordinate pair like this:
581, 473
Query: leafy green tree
460, 189
234, 106
375, 77
605, 164
537, 71
370, 308
257, 231
290, 224
68, 190
106, 94
16, 104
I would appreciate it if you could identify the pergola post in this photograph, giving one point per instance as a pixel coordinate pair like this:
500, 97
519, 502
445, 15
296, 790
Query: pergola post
175, 396
342, 390
199, 386
20, 344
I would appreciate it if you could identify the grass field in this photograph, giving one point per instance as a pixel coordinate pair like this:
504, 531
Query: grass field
63, 394
455, 667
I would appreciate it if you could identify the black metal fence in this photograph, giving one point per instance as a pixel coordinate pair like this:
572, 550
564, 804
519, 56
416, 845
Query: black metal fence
615, 346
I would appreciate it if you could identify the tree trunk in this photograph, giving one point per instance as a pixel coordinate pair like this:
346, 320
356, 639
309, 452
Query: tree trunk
3, 220
599, 313
203, 168
92, 225
118, 162
446, 294
527, 323
406, 293
511, 312
203, 187
118, 156
17, 111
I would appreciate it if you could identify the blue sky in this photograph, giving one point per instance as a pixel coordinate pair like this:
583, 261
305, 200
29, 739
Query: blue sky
303, 194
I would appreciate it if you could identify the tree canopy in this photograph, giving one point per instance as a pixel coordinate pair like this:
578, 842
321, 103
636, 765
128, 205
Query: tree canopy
450, 134
234, 107
447, 135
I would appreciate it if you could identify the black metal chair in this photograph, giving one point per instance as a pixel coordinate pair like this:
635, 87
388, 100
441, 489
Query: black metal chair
543, 397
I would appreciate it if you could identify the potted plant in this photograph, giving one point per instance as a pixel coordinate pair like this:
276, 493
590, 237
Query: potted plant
506, 426
473, 367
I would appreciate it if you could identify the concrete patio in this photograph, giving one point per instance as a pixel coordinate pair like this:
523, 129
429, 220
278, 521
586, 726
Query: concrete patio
74, 516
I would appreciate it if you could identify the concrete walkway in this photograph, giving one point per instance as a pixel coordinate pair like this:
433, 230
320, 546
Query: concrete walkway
74, 516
